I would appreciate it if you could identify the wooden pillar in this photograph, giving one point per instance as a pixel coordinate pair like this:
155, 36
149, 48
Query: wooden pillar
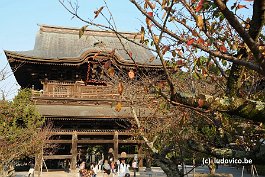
116, 146
74, 151
140, 155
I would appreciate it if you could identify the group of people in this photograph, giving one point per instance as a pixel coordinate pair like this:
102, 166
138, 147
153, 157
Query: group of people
86, 170
109, 168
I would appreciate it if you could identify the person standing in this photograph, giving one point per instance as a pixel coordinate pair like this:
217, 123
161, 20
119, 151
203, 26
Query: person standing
94, 168
31, 170
134, 166
124, 169
106, 168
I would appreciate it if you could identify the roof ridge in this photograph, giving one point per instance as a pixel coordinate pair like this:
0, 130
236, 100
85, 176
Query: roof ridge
65, 29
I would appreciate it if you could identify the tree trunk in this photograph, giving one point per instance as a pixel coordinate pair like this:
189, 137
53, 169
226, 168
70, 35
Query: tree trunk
7, 170
168, 166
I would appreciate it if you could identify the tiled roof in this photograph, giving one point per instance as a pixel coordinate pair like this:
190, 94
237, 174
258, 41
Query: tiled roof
61, 44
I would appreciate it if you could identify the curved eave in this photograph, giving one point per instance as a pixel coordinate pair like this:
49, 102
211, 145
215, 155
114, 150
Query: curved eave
73, 61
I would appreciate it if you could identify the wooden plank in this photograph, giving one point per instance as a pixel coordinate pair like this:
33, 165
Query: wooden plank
57, 157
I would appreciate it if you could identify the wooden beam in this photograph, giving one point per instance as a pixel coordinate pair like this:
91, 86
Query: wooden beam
132, 156
59, 141
95, 141
57, 157
90, 133
131, 141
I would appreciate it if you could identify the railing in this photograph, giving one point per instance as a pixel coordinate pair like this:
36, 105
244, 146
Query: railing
75, 90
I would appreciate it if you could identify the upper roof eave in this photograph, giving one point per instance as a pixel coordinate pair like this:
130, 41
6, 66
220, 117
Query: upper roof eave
14, 55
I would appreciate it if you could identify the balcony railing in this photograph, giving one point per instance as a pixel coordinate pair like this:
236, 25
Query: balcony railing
75, 90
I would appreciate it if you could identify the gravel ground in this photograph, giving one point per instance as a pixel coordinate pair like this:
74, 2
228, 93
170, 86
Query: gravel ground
156, 172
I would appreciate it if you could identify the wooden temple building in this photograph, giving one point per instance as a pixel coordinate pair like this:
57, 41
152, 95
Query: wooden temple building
71, 87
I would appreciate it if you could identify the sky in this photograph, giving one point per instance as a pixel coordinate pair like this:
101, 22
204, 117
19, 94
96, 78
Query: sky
19, 25
19, 21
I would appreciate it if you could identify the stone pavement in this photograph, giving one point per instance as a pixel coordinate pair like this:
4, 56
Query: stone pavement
156, 172
64, 174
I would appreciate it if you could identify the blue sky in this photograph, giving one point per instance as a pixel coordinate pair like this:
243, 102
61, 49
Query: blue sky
19, 21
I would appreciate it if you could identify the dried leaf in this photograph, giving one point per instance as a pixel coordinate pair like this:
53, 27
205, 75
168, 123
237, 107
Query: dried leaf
107, 64
234, 46
180, 52
97, 12
148, 21
189, 42
111, 71
151, 5
131, 74
150, 14
223, 49
130, 54
120, 88
239, 6
199, 6
142, 35
204, 72
145, 5
165, 49
156, 39
174, 53
194, 33
200, 22
164, 2
82, 31
161, 85
200, 41
179, 62
151, 59
118, 107
200, 102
